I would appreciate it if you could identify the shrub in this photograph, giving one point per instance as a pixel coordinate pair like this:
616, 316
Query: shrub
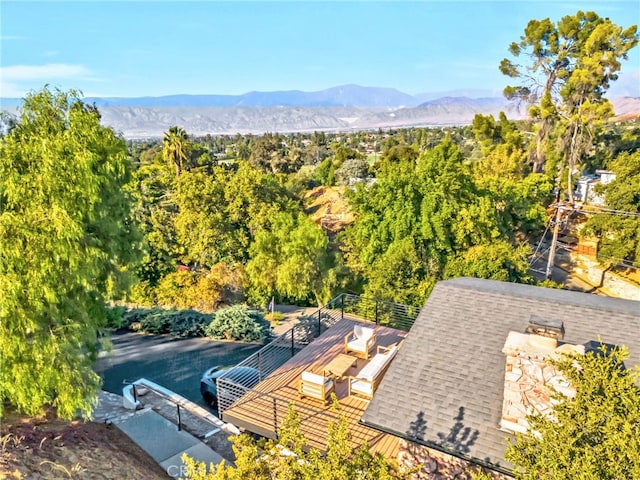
142, 293
177, 323
115, 318
188, 323
136, 314
156, 321
275, 318
182, 323
239, 322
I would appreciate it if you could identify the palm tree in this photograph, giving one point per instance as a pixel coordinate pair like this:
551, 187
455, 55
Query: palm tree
175, 147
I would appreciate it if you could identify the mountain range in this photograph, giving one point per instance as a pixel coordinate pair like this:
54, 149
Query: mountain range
347, 107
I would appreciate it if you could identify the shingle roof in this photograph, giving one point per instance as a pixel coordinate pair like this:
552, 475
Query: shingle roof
446, 384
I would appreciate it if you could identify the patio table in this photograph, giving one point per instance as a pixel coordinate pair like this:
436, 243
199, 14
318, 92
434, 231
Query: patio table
339, 366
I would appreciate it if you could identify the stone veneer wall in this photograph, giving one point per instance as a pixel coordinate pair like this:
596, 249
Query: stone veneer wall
588, 267
529, 380
436, 465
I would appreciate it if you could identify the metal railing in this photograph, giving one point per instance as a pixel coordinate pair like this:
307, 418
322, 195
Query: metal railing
380, 312
314, 422
234, 383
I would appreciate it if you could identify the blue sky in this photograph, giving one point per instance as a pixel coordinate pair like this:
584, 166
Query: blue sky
150, 48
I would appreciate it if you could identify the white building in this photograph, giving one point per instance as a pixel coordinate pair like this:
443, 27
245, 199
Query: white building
585, 189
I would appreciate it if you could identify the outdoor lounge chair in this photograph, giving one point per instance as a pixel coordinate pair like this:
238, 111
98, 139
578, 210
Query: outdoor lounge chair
361, 341
315, 386
365, 383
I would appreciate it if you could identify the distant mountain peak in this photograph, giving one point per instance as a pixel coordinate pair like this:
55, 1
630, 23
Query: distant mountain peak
340, 108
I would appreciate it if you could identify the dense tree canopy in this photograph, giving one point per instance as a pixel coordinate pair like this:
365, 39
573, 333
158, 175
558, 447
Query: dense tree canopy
618, 227
67, 242
497, 261
420, 215
291, 260
571, 64
288, 458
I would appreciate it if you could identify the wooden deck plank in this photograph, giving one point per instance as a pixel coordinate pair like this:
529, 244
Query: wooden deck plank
267, 404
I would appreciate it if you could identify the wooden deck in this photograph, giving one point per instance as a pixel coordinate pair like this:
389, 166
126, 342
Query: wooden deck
265, 407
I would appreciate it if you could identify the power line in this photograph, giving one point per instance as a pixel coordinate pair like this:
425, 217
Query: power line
600, 207
597, 210
533, 257
618, 213
539, 257
618, 261
556, 220
554, 240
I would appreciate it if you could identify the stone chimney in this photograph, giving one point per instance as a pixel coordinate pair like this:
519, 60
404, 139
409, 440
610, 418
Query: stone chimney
529, 380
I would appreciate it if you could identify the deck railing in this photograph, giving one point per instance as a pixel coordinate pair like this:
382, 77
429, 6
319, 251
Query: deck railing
232, 385
314, 422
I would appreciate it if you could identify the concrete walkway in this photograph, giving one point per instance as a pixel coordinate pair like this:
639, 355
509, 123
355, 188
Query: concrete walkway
156, 435
162, 440
291, 315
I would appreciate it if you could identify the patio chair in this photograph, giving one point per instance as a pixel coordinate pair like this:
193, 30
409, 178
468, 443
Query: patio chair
362, 341
315, 386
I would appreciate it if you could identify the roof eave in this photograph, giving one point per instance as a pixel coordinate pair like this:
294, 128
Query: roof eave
440, 448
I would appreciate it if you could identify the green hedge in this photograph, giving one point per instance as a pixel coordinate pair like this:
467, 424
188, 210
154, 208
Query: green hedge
237, 322
178, 323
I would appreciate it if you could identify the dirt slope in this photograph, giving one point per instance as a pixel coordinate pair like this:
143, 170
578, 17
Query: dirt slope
328, 207
46, 448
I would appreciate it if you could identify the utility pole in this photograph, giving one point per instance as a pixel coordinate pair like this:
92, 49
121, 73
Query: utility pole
554, 240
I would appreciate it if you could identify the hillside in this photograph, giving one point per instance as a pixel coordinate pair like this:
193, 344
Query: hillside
143, 122
328, 207
344, 108
626, 108
340, 96
46, 448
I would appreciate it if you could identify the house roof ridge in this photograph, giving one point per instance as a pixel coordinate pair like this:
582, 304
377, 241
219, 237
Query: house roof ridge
548, 295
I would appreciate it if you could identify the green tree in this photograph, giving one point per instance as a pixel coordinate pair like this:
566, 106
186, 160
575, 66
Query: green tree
288, 459
572, 63
419, 216
175, 148
204, 235
291, 260
326, 172
352, 169
595, 434
67, 240
204, 290
415, 217
519, 205
502, 146
252, 201
498, 261
154, 212
401, 274
620, 234
203, 218
398, 153
268, 154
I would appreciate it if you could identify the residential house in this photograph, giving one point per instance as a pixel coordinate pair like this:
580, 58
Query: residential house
468, 371
586, 187
447, 395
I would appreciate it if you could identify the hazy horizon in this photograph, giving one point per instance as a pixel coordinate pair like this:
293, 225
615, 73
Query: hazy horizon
149, 48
